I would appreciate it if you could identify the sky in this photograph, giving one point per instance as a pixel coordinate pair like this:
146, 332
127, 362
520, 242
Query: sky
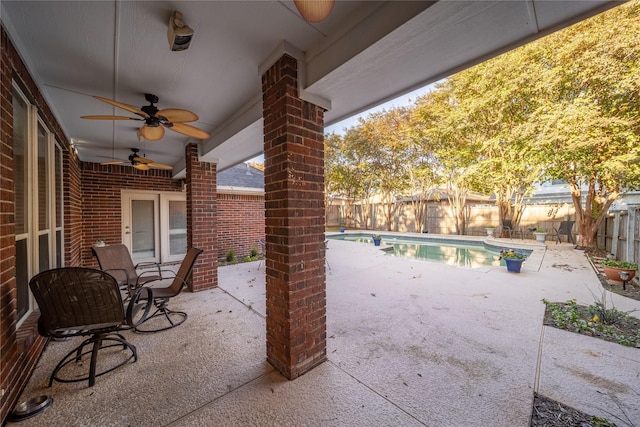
340, 127
402, 101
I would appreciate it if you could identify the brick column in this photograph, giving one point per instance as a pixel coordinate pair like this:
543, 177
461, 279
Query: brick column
294, 223
202, 230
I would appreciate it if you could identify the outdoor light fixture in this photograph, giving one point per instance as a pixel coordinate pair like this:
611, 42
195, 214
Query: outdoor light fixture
179, 33
314, 10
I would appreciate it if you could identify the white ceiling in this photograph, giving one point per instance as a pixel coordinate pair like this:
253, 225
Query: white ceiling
364, 53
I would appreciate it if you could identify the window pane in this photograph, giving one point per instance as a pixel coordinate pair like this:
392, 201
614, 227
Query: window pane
43, 243
59, 249
177, 227
22, 278
20, 162
59, 202
43, 193
142, 227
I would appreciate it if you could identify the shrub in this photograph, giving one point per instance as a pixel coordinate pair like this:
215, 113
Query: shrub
231, 256
620, 264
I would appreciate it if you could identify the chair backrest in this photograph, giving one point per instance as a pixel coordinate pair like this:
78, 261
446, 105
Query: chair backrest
507, 223
185, 270
115, 258
565, 227
77, 298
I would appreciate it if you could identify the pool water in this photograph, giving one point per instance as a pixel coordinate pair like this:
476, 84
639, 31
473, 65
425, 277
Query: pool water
459, 253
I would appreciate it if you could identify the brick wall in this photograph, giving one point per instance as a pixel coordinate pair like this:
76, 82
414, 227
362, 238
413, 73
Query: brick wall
102, 200
202, 219
240, 223
20, 348
294, 223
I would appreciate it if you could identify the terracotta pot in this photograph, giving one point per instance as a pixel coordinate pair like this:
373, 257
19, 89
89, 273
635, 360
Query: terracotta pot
614, 277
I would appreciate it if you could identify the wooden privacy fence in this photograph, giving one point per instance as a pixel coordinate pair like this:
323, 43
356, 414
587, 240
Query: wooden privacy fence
619, 234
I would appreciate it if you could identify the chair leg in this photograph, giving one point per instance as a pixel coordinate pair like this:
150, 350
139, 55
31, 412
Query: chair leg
163, 310
97, 343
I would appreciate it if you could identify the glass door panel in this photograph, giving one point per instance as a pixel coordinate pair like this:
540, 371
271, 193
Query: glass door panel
143, 244
177, 227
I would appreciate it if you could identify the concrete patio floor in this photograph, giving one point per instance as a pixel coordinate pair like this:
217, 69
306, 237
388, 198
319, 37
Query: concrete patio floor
408, 343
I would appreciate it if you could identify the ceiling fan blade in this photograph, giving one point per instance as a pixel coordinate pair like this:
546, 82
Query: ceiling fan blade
142, 167
109, 118
160, 166
129, 108
177, 115
141, 160
188, 130
115, 162
152, 133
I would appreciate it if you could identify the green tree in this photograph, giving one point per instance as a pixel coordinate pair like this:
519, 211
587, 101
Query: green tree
385, 133
454, 150
586, 123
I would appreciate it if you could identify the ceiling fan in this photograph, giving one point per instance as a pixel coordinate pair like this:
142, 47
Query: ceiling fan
140, 163
156, 120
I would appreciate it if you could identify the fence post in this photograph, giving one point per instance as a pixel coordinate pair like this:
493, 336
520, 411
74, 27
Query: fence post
631, 220
615, 234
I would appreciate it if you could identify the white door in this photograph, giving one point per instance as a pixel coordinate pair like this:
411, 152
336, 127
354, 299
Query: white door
140, 226
154, 225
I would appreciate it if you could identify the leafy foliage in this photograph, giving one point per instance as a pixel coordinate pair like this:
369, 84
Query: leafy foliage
564, 107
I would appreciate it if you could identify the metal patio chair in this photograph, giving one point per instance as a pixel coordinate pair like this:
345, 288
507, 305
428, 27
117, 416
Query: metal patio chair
160, 296
565, 228
263, 245
77, 301
116, 260
507, 225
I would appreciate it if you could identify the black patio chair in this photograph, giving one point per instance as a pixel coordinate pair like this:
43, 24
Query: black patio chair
263, 245
77, 301
507, 225
116, 260
565, 228
160, 297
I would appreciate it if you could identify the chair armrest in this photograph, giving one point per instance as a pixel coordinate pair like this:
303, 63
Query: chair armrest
139, 307
126, 273
149, 264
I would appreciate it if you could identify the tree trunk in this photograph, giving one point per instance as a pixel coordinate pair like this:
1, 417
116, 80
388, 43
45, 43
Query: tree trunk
586, 219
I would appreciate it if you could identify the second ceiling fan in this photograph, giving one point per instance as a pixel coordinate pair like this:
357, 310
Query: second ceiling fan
155, 121
140, 163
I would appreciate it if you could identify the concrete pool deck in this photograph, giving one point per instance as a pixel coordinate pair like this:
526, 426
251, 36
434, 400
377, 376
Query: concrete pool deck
408, 343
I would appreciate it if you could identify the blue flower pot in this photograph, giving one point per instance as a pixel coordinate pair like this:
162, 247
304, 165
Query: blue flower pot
342, 229
514, 265
377, 242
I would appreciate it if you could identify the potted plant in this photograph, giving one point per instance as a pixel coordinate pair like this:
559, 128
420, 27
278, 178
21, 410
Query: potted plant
540, 234
512, 259
612, 269
376, 239
490, 231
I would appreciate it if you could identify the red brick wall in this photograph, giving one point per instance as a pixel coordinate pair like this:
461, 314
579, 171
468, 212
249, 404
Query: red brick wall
294, 223
202, 219
20, 348
73, 225
102, 201
240, 224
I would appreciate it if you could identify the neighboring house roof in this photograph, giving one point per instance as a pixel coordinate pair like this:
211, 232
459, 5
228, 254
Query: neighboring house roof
559, 192
241, 177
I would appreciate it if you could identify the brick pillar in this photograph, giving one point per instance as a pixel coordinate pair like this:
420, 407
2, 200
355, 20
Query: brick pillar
294, 223
202, 230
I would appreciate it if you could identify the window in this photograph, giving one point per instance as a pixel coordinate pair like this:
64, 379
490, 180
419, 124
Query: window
38, 195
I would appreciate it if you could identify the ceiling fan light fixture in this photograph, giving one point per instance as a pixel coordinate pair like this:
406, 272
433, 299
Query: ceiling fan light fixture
151, 133
314, 10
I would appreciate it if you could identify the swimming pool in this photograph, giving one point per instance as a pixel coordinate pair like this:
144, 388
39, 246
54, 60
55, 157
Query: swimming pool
460, 253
